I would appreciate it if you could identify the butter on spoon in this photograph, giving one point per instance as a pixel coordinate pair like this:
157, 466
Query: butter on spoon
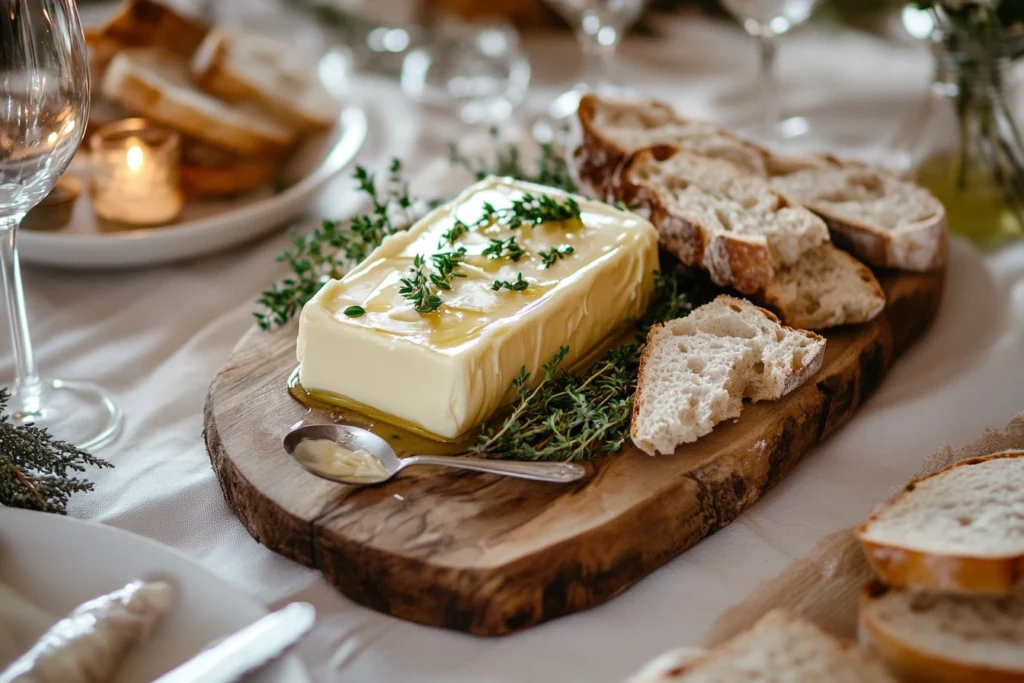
350, 455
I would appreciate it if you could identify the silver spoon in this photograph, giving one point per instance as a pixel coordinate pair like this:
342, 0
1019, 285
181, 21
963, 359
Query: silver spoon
354, 438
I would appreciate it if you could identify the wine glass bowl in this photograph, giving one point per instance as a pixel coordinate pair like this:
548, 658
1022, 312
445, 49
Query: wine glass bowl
44, 107
777, 16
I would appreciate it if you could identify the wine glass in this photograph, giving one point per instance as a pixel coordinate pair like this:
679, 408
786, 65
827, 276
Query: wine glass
765, 20
44, 106
599, 25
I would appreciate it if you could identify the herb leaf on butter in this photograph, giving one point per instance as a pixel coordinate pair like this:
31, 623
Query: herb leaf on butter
499, 248
549, 257
445, 264
518, 285
417, 288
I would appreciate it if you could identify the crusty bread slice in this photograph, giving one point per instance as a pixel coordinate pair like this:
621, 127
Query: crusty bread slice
780, 648
208, 173
146, 23
711, 214
613, 130
157, 85
826, 288
696, 371
881, 219
960, 530
927, 637
239, 66
885, 221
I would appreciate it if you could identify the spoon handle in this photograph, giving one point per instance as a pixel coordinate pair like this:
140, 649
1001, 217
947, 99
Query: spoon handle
558, 472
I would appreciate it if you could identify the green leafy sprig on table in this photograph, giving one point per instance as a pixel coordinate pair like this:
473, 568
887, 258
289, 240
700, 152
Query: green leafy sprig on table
563, 416
550, 169
37, 472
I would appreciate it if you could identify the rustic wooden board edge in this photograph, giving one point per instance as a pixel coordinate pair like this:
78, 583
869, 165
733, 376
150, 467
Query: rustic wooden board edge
535, 588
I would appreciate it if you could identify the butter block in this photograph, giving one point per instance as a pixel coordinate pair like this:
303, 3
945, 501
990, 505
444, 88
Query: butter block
447, 371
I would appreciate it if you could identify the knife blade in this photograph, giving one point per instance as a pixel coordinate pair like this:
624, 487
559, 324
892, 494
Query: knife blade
248, 649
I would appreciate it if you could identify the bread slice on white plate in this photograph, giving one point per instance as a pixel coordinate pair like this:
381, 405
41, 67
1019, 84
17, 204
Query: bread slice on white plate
826, 288
960, 530
928, 637
884, 221
881, 219
157, 84
239, 66
696, 371
711, 214
780, 648
615, 129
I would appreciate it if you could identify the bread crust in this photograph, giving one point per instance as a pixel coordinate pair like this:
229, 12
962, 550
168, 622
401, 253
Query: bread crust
903, 567
123, 84
920, 247
145, 23
638, 397
912, 665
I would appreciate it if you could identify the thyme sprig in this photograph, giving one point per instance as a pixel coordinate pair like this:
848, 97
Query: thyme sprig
37, 472
509, 248
550, 168
532, 210
417, 289
550, 256
517, 285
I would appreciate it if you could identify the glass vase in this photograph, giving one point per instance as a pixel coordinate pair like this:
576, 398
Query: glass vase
966, 144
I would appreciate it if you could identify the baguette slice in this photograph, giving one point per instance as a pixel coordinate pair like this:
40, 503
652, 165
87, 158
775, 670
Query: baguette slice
613, 130
826, 288
157, 85
238, 66
146, 23
884, 221
960, 530
780, 648
926, 637
881, 219
711, 214
208, 173
696, 371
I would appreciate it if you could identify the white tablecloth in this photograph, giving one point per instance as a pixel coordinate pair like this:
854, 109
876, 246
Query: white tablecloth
156, 337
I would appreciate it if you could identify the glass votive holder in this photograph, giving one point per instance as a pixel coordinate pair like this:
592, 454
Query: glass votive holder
135, 173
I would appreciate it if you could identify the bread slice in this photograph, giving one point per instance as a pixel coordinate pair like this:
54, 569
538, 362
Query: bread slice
826, 288
613, 130
146, 23
696, 371
711, 214
881, 219
238, 66
158, 85
208, 173
780, 648
926, 637
885, 221
960, 530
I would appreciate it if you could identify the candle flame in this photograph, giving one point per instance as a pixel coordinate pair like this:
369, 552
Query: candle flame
134, 157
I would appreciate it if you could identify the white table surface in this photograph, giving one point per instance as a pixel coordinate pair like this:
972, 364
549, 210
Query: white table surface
156, 337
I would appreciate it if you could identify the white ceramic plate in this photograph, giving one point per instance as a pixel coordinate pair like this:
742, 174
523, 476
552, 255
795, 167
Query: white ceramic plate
204, 227
58, 563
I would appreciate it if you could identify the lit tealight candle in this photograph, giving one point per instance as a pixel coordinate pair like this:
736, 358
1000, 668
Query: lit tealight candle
135, 169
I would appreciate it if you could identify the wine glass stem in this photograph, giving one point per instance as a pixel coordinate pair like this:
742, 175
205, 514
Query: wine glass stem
769, 85
598, 43
28, 387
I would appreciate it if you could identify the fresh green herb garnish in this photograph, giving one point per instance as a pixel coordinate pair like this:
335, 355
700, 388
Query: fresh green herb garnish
504, 249
622, 206
445, 264
532, 210
327, 252
355, 311
550, 168
452, 236
518, 285
569, 416
36, 470
549, 257
417, 288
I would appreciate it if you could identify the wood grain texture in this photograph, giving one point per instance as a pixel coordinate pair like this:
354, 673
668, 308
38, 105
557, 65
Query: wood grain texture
491, 556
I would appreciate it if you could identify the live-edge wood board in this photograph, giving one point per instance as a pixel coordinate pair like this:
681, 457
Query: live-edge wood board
492, 555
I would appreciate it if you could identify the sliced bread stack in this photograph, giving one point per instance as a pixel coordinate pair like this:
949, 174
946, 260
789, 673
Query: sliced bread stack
949, 554
780, 648
887, 222
696, 371
748, 236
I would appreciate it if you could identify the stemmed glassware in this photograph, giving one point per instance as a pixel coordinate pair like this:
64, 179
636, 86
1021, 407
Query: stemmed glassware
765, 20
599, 25
44, 107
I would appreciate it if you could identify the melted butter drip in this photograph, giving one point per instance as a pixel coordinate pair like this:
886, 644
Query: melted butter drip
471, 305
334, 459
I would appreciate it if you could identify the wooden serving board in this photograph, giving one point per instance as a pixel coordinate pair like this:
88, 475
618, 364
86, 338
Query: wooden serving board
491, 556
